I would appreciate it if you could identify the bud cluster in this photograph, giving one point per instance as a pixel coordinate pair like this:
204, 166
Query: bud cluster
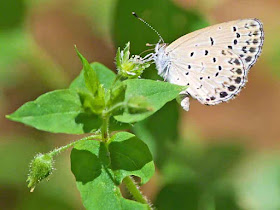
130, 67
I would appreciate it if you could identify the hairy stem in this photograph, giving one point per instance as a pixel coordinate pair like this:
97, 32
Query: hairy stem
63, 148
134, 191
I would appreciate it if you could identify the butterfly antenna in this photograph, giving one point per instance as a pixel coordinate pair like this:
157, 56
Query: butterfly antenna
151, 27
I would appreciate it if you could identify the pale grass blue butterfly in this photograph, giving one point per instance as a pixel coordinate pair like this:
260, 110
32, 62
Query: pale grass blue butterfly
213, 62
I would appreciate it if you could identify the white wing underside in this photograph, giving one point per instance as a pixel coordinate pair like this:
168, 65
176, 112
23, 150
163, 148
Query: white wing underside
214, 61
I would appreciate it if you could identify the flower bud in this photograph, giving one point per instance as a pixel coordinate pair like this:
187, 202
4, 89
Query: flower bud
130, 67
40, 168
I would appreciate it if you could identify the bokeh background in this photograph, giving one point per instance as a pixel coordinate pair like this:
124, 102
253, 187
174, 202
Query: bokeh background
221, 157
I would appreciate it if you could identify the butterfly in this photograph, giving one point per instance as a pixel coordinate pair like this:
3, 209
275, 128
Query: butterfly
213, 62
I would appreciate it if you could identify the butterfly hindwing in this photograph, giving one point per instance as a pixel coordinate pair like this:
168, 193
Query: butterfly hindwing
213, 75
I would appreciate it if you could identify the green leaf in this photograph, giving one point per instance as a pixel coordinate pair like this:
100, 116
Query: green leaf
58, 111
105, 76
138, 104
95, 176
130, 156
90, 76
157, 94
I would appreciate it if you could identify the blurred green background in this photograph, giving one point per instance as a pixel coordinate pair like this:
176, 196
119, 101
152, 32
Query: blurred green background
221, 157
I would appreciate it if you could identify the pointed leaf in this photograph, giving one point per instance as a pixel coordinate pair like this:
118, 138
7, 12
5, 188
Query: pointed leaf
58, 111
90, 76
157, 94
105, 76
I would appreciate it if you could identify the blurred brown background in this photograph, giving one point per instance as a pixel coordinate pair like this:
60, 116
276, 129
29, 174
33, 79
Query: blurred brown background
37, 56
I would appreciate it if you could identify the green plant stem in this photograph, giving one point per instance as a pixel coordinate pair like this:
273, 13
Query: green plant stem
134, 191
105, 128
63, 148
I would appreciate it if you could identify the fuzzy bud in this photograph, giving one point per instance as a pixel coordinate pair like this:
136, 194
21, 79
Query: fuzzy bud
40, 168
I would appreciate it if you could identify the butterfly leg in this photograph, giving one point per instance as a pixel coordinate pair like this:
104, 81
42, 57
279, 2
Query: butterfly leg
184, 100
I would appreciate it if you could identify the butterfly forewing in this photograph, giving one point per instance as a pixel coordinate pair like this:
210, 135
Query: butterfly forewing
244, 37
214, 61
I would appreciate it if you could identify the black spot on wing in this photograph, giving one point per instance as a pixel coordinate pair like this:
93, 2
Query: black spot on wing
212, 41
248, 59
237, 80
223, 94
231, 88
236, 61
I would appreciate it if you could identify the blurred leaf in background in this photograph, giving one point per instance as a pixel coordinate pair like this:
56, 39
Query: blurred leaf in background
12, 14
160, 131
100, 14
257, 181
15, 155
12, 39
198, 177
273, 59
20, 55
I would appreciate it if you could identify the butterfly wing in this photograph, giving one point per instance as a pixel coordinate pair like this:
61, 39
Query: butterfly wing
244, 37
213, 74
215, 61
